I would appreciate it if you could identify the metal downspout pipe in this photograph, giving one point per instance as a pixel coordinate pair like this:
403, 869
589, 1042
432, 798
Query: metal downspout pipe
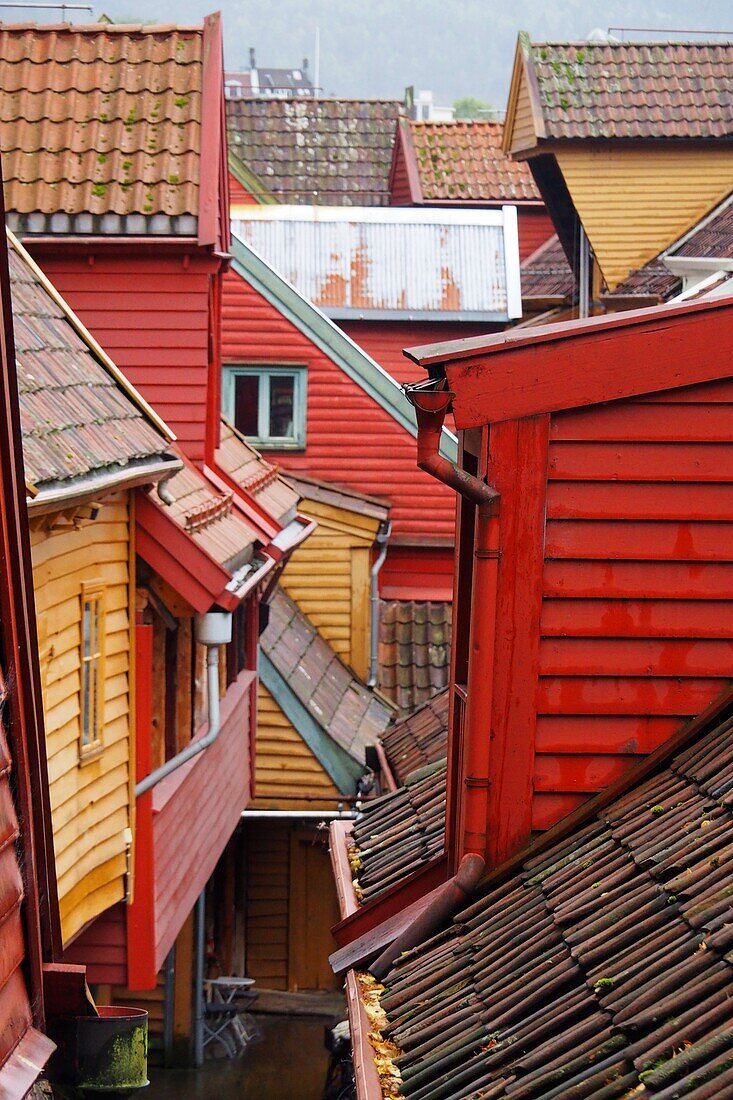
212, 630
431, 402
385, 530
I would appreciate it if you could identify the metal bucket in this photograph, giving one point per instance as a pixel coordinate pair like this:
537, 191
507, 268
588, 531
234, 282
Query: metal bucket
104, 1053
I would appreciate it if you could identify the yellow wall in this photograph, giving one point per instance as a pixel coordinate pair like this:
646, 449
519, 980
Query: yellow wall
90, 800
635, 202
328, 577
520, 119
285, 765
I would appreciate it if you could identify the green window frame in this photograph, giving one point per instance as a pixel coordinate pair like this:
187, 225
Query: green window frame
285, 385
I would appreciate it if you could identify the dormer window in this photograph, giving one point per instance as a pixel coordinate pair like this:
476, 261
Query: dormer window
266, 404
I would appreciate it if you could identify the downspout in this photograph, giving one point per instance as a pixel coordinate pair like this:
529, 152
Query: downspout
431, 400
385, 530
212, 630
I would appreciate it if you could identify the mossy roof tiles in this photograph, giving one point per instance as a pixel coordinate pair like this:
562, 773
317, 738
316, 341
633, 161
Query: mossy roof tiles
464, 162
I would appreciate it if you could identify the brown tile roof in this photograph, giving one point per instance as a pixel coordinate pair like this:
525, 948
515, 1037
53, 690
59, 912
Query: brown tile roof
547, 273
712, 238
335, 698
653, 280
76, 418
603, 968
633, 90
399, 831
464, 162
419, 739
208, 516
102, 120
329, 152
414, 650
259, 478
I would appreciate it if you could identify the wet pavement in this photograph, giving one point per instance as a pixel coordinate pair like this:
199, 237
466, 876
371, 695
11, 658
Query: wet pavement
288, 1062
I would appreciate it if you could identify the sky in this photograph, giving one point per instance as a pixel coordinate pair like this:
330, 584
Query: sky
379, 47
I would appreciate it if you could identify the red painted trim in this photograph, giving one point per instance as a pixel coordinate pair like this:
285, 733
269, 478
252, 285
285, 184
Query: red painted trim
392, 902
338, 833
366, 1077
212, 429
518, 455
580, 363
141, 969
403, 155
212, 218
178, 560
252, 662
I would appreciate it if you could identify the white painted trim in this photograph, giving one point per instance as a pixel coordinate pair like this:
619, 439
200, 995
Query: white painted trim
378, 215
512, 273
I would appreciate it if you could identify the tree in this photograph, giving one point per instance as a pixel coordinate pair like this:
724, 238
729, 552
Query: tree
468, 106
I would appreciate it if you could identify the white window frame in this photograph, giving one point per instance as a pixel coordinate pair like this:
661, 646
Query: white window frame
265, 372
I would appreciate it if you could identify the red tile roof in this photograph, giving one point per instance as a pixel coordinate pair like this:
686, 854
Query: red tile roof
419, 739
331, 152
77, 418
600, 968
261, 480
102, 120
414, 650
621, 90
464, 162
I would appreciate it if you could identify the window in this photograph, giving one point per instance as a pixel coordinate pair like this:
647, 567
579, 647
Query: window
92, 667
266, 404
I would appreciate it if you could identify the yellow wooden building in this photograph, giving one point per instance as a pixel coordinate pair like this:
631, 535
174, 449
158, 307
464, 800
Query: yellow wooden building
618, 146
88, 441
313, 725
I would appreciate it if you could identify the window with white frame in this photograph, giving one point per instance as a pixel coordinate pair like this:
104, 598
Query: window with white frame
92, 667
266, 404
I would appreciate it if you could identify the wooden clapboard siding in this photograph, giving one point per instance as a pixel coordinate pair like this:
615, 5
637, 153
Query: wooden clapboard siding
634, 202
267, 909
89, 801
637, 606
285, 765
328, 577
520, 117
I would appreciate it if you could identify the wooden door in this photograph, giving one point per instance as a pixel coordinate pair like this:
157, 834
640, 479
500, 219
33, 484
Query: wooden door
313, 912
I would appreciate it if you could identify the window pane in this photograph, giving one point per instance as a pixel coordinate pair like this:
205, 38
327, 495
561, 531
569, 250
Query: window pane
85, 723
282, 406
246, 402
87, 629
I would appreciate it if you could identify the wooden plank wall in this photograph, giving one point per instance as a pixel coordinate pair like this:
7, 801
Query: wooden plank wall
635, 202
285, 765
328, 577
268, 887
637, 613
90, 801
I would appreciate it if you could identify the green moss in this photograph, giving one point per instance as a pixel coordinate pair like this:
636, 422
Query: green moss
181, 101
101, 158
99, 190
173, 181
656, 810
603, 983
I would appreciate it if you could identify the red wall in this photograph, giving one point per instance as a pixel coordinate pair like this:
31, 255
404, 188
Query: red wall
351, 439
102, 948
385, 340
151, 314
239, 194
535, 227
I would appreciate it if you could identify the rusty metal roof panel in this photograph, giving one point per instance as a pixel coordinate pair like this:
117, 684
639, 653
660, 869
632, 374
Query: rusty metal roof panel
603, 967
393, 263
101, 120
75, 417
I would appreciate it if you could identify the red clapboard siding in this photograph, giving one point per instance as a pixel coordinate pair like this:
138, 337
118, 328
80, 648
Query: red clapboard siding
151, 315
102, 946
637, 615
535, 227
385, 340
410, 573
195, 812
239, 195
351, 439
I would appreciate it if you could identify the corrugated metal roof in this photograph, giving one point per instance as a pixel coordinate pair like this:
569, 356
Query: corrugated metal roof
406, 263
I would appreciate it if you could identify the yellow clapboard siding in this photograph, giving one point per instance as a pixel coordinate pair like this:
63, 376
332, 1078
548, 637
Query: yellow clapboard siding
89, 799
326, 578
635, 202
520, 119
284, 763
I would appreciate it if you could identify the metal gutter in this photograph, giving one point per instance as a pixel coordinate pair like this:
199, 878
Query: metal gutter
334, 343
309, 815
382, 539
338, 833
91, 486
366, 1077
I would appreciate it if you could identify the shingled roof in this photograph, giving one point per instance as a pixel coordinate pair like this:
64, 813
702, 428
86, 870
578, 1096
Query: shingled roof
621, 90
331, 152
414, 650
546, 274
328, 693
102, 126
398, 832
419, 739
601, 968
464, 162
78, 416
